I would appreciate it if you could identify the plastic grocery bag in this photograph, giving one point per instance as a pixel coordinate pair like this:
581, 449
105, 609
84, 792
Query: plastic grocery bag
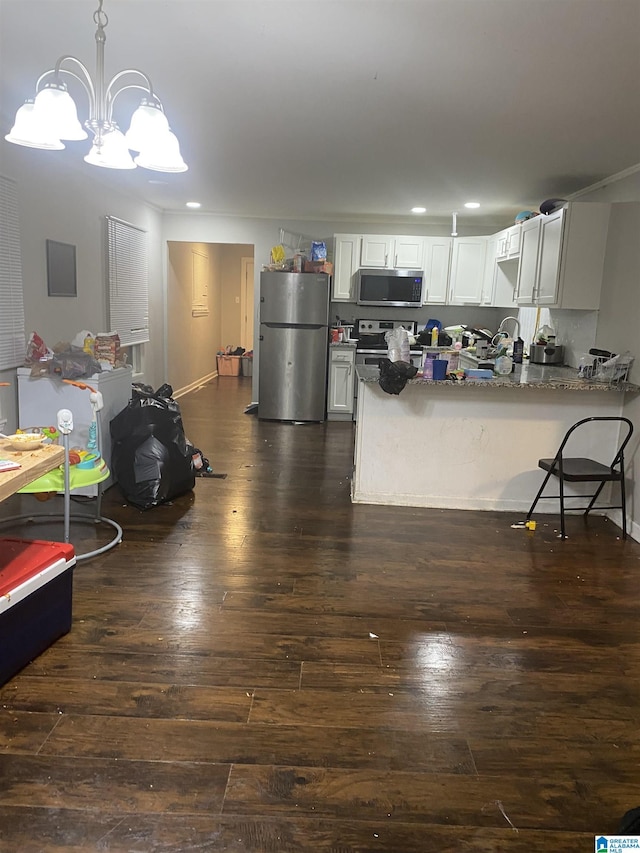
150, 455
398, 345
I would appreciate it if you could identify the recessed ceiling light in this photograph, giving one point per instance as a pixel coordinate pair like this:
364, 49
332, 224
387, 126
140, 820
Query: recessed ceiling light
472, 204
193, 204
418, 210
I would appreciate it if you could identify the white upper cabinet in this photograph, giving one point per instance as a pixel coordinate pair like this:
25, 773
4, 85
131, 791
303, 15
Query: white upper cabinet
528, 269
382, 252
437, 261
409, 253
505, 282
467, 270
489, 274
346, 256
508, 243
377, 251
548, 260
549, 256
562, 257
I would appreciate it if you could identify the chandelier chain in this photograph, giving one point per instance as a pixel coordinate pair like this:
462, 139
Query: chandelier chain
100, 18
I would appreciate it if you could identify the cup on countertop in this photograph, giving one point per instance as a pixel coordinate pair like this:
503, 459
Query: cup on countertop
440, 368
336, 336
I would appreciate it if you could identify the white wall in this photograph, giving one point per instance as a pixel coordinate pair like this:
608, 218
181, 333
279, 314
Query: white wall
68, 203
619, 316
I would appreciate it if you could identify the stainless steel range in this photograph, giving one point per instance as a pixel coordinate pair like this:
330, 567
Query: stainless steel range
371, 344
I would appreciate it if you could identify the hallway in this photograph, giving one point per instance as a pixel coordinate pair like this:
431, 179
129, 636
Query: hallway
262, 667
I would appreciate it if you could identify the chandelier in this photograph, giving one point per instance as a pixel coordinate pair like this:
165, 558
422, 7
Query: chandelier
51, 116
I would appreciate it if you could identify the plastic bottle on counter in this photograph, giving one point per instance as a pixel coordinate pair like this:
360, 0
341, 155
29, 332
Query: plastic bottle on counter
434, 336
405, 349
518, 351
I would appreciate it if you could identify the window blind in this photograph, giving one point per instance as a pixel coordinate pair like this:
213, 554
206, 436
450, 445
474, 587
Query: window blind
127, 274
12, 336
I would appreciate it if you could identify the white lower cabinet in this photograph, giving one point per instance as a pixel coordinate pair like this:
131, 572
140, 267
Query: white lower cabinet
341, 383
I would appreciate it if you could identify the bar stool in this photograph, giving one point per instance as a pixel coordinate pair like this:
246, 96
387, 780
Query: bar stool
578, 469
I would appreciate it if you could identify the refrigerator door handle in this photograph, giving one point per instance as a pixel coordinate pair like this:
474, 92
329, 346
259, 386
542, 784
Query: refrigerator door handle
294, 325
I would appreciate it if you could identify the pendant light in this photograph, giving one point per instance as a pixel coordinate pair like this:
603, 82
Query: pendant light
50, 117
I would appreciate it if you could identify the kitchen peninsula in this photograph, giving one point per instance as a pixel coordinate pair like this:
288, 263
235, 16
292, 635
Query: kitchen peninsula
471, 444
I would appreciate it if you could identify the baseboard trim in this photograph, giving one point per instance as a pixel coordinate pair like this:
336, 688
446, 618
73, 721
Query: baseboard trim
194, 386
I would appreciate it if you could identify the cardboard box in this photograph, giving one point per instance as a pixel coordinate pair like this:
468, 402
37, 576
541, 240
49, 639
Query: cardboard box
36, 584
229, 365
106, 348
318, 266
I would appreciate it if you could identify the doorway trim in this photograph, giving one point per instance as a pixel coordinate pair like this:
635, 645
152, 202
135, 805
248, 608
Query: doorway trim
247, 287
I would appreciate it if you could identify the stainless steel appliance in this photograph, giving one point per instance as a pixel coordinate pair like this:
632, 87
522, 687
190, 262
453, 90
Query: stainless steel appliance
399, 288
371, 343
294, 332
546, 354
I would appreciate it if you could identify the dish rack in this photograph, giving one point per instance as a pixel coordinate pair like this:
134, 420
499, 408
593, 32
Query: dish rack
609, 369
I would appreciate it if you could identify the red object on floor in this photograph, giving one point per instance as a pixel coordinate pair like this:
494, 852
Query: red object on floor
21, 559
36, 588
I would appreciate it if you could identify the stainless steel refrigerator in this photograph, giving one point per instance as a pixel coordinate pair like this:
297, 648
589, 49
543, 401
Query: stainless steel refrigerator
294, 344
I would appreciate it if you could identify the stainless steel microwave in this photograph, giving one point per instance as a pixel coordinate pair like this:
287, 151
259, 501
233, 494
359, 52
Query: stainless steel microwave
401, 288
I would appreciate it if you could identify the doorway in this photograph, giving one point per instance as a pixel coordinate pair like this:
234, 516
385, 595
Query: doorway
210, 305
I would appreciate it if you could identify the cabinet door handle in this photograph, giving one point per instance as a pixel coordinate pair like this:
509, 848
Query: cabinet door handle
395, 261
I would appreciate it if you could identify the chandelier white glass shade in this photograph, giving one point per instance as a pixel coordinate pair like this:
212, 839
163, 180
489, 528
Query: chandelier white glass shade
51, 117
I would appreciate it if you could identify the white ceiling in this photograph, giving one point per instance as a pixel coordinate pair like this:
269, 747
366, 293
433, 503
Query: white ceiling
358, 109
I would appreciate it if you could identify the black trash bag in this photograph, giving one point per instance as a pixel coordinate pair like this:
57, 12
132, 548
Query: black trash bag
152, 459
394, 375
629, 822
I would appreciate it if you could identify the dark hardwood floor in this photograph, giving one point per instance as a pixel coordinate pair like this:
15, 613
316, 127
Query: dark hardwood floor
262, 667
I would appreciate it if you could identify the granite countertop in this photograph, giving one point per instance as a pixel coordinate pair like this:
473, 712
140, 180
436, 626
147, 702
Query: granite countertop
343, 344
536, 376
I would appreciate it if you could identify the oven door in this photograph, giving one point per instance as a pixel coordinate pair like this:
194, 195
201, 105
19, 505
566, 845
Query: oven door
370, 356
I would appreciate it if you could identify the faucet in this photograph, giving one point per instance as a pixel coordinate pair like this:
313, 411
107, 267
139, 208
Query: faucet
516, 329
